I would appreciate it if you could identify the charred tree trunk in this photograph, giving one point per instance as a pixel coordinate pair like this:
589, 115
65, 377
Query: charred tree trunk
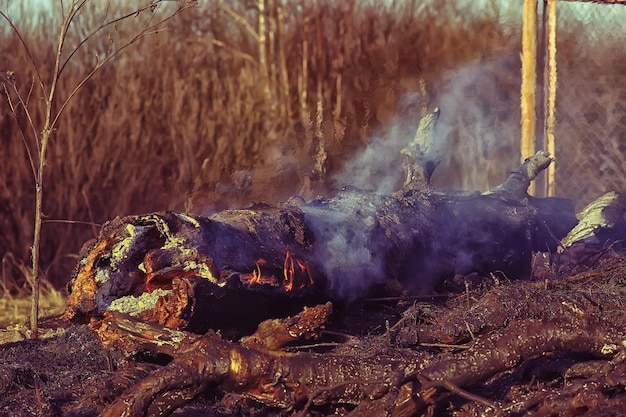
339, 248
238, 267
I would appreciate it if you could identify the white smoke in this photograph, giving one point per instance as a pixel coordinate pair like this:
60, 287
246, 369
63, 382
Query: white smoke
479, 126
476, 135
378, 167
347, 249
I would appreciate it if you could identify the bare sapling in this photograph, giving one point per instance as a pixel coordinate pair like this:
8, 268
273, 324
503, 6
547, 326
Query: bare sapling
38, 132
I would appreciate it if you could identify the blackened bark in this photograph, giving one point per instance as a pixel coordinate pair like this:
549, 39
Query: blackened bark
343, 247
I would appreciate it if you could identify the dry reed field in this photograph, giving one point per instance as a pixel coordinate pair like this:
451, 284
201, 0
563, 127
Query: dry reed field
225, 108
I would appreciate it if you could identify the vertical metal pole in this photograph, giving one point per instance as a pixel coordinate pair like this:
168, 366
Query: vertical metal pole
541, 181
550, 95
529, 81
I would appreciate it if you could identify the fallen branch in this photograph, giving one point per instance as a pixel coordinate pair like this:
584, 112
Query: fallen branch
401, 382
277, 333
275, 379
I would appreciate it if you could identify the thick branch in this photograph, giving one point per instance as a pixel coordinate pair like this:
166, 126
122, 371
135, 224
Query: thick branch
422, 156
278, 380
516, 185
277, 333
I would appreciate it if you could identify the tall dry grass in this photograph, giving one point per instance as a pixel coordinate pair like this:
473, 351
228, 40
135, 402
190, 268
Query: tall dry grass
204, 117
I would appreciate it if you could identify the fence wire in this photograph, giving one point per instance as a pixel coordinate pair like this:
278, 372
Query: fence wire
590, 131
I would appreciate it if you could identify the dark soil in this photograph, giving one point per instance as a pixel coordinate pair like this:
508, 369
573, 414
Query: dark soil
72, 374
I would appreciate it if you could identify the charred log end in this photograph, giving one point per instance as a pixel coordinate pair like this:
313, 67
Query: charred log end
155, 267
111, 267
82, 289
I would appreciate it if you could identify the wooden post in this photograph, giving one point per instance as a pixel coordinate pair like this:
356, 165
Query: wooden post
550, 92
529, 78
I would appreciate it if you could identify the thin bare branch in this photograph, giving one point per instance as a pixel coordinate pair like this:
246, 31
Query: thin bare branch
147, 31
57, 62
14, 112
103, 26
93, 224
26, 48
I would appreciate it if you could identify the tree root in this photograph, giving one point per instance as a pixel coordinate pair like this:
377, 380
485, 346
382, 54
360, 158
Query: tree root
398, 382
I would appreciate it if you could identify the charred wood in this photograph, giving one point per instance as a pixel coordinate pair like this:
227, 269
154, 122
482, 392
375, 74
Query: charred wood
396, 383
275, 334
273, 378
340, 248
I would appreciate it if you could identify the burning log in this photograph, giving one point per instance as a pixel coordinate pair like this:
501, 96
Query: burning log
187, 271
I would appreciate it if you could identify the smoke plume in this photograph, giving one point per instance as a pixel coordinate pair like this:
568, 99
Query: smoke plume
477, 139
348, 251
378, 166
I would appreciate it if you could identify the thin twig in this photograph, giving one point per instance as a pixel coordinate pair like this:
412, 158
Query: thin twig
312, 346
73, 222
93, 223
408, 297
20, 130
26, 48
469, 330
445, 345
455, 389
553, 236
100, 28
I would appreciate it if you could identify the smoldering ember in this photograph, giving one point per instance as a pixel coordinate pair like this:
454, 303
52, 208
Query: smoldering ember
418, 302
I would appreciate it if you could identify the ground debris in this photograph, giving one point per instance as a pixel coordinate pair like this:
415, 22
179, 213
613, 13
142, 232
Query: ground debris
505, 349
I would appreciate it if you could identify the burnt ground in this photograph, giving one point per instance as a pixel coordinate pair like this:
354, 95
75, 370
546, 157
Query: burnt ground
551, 346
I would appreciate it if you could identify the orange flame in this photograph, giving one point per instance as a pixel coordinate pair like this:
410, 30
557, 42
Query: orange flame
300, 276
304, 267
257, 276
289, 272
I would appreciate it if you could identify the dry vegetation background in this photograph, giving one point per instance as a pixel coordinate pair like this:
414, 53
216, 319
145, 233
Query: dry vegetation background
210, 115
